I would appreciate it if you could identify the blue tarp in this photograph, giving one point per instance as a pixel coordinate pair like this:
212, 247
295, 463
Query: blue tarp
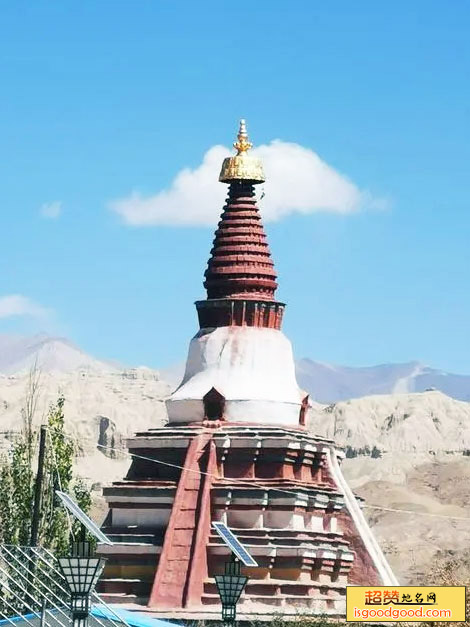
134, 619
16, 619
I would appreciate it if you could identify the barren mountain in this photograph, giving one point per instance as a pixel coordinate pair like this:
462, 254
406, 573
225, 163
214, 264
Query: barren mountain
421, 422
50, 354
408, 456
407, 453
101, 409
328, 383
419, 508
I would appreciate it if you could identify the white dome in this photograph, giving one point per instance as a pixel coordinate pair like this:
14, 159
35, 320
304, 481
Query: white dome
251, 367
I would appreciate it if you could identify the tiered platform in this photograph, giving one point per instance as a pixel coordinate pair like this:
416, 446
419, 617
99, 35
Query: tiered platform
272, 486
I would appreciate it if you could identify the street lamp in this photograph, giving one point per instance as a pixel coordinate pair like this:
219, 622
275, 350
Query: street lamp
81, 571
230, 586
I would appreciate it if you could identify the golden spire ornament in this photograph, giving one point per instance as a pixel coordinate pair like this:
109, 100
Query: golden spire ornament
242, 166
243, 144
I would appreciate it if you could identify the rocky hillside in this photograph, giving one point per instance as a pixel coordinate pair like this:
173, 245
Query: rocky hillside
408, 457
418, 508
407, 453
101, 408
422, 422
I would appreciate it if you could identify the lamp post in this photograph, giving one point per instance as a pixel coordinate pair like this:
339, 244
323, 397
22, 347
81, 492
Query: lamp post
230, 585
81, 571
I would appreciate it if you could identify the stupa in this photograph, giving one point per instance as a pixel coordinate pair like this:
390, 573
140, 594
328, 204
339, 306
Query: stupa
237, 449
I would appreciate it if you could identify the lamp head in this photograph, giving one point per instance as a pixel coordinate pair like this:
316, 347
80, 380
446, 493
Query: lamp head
230, 585
81, 571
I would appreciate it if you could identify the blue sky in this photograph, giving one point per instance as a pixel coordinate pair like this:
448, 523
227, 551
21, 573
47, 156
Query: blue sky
99, 99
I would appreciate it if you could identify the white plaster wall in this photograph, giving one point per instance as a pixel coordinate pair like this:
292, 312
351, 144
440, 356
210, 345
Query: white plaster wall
316, 524
141, 517
265, 412
252, 367
244, 519
282, 519
379, 559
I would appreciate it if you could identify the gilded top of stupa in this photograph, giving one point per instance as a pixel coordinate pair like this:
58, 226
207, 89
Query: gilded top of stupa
242, 166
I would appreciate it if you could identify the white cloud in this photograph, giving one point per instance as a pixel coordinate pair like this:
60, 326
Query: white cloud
297, 181
51, 210
18, 305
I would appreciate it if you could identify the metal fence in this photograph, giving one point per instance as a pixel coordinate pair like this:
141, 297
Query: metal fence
32, 587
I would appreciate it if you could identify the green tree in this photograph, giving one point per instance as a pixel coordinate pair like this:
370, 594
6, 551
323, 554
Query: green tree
17, 480
17, 475
376, 452
56, 524
7, 521
16, 489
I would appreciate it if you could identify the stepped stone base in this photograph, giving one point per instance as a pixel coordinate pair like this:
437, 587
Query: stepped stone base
279, 491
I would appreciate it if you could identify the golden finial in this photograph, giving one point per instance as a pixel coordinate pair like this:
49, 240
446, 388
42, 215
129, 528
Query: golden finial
242, 166
243, 144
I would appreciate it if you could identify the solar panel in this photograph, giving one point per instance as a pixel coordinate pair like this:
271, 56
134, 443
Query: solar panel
80, 515
234, 544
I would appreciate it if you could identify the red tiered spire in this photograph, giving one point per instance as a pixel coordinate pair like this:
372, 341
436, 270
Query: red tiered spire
240, 265
240, 278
